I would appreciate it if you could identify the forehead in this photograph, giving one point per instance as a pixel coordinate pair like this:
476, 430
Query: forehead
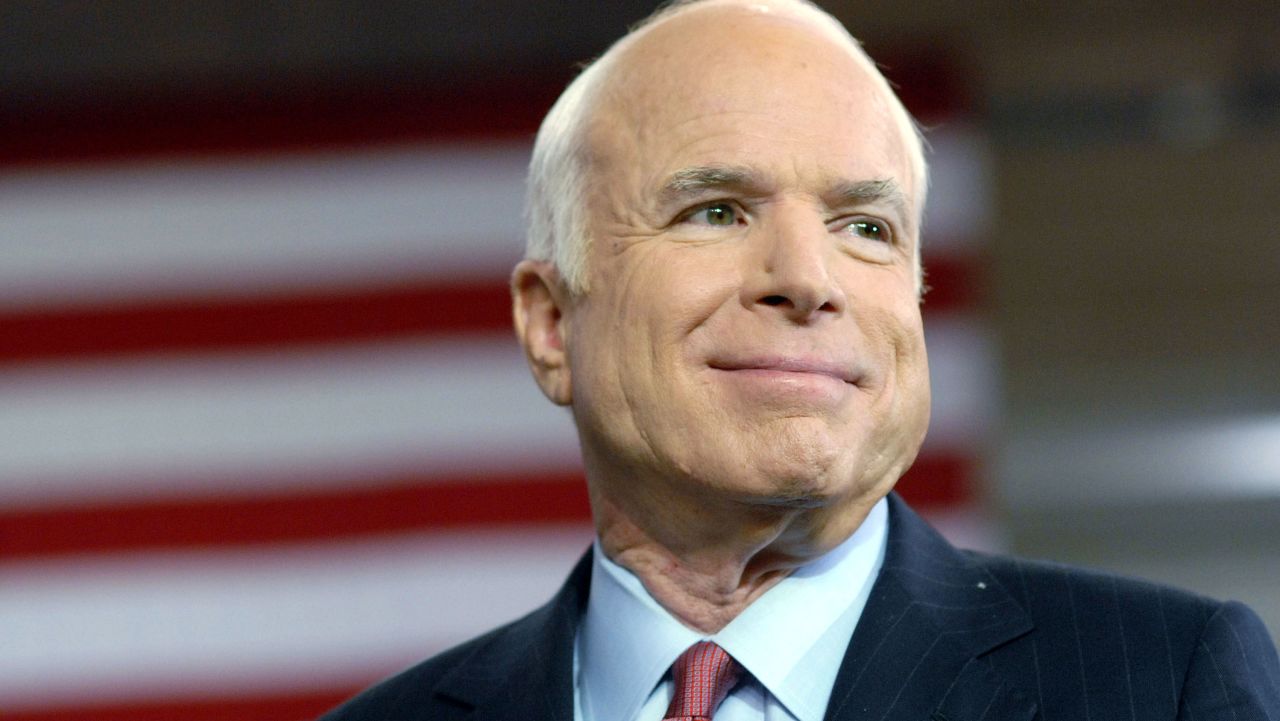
728, 83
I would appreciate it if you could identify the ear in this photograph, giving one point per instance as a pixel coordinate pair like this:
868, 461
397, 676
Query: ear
539, 301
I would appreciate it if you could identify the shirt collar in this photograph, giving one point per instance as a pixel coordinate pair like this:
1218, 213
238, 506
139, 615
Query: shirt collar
791, 639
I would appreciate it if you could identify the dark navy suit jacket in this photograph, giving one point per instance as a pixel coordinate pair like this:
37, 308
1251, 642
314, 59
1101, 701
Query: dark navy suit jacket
946, 635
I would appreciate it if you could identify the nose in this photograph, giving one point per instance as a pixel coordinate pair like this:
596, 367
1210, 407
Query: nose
792, 270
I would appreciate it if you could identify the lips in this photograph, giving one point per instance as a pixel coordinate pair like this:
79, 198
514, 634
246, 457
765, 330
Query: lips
839, 371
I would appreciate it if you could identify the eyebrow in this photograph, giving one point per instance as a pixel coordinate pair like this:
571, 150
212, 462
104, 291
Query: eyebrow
689, 182
865, 192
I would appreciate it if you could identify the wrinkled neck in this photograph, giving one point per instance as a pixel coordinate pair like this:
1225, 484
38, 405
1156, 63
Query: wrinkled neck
706, 565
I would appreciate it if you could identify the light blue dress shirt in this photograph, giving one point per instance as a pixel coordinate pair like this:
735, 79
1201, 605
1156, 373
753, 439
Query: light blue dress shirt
791, 640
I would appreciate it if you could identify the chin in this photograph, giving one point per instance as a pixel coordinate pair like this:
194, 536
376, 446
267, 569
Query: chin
803, 471
794, 482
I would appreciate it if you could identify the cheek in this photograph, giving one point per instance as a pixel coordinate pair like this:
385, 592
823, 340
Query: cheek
670, 298
613, 349
897, 335
908, 333
911, 374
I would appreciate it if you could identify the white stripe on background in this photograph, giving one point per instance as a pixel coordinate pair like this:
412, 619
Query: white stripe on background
229, 227
160, 626
128, 429
1054, 464
235, 226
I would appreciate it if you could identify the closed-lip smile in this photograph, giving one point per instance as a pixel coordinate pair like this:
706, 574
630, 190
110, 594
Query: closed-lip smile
839, 371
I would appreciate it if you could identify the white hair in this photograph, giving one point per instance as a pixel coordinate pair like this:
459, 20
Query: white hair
555, 202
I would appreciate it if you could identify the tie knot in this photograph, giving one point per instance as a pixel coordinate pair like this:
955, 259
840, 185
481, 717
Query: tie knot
704, 674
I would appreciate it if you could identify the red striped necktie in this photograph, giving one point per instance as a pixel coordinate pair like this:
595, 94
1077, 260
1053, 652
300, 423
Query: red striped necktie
704, 674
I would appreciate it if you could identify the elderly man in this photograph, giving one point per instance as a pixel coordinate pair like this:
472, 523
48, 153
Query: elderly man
722, 284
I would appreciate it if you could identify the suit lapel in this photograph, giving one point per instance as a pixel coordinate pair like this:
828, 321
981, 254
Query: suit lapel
916, 652
525, 671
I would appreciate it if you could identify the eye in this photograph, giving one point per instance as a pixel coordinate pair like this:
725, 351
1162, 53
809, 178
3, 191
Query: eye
869, 229
720, 214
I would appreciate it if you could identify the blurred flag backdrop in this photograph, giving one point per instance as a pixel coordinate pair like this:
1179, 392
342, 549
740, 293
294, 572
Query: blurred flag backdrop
265, 434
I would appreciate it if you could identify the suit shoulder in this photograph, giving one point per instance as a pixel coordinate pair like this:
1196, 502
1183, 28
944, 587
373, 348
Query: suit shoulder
1083, 591
1087, 614
1126, 641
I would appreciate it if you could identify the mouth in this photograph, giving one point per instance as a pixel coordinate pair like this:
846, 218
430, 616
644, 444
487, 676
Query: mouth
790, 367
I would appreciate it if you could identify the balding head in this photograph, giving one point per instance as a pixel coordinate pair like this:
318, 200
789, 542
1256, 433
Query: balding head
561, 167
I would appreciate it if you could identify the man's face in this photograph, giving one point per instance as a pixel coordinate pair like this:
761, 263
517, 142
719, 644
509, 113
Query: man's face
752, 324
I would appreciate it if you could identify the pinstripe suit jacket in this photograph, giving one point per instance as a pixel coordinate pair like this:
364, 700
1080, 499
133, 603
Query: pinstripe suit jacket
946, 635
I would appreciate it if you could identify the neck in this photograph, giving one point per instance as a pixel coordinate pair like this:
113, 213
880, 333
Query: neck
706, 562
